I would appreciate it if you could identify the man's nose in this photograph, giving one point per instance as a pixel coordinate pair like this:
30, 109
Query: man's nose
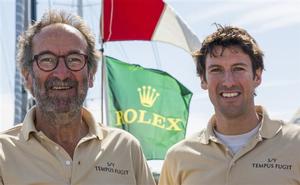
61, 71
229, 79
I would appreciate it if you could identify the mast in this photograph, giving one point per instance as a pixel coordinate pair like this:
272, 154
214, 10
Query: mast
25, 12
20, 92
79, 8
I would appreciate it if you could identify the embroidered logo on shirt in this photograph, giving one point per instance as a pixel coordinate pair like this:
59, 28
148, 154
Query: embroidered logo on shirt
110, 167
272, 163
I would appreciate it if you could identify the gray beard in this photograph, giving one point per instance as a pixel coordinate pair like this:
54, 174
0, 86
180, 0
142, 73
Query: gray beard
50, 106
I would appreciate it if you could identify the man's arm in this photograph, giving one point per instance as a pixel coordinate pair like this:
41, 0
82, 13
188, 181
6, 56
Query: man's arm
1, 154
165, 176
1, 180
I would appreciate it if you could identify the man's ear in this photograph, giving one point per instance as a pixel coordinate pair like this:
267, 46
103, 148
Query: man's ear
91, 79
203, 83
257, 77
28, 81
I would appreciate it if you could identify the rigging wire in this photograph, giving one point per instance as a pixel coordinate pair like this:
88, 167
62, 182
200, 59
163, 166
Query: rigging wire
123, 51
102, 71
73, 4
49, 4
156, 55
102, 82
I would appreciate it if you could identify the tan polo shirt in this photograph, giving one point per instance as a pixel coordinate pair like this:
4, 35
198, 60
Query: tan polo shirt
105, 156
272, 157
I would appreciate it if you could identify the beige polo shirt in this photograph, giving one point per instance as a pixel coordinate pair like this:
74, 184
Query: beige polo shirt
271, 157
105, 156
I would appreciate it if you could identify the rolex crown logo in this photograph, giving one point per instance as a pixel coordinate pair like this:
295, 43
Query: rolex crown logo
148, 96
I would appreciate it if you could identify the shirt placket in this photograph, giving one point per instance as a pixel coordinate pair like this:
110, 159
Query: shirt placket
229, 158
61, 155
250, 146
79, 158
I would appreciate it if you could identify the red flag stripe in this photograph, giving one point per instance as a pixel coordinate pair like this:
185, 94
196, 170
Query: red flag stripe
131, 19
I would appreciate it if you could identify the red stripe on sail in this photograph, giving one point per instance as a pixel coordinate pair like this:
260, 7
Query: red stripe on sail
130, 19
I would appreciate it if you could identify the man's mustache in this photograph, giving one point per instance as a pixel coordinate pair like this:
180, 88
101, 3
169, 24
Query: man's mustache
51, 82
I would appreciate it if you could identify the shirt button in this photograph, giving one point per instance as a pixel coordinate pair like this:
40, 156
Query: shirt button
68, 163
56, 148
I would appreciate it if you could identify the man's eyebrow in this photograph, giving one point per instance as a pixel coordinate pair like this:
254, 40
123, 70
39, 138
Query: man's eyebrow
240, 64
76, 51
213, 65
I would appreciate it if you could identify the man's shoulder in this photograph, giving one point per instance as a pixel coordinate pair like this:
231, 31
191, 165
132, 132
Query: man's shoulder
291, 130
119, 134
285, 132
188, 144
292, 126
9, 139
12, 132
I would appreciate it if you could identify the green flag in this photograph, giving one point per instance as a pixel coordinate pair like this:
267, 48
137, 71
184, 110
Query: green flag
150, 104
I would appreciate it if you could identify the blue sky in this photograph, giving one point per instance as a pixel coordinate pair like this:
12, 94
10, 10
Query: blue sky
274, 24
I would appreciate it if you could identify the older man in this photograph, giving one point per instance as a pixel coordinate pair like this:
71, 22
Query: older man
59, 141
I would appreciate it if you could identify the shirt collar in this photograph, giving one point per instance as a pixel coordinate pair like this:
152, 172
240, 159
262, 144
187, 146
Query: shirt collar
28, 127
28, 124
94, 127
268, 129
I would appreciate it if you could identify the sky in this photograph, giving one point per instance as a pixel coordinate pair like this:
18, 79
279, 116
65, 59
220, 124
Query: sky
275, 25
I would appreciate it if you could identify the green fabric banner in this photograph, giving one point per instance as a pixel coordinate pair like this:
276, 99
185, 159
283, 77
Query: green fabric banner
150, 104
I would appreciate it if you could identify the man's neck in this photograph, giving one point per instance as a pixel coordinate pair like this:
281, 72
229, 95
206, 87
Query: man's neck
238, 125
64, 129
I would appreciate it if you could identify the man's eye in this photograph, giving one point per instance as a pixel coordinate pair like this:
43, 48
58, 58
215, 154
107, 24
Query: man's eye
47, 61
238, 69
215, 70
74, 60
47, 58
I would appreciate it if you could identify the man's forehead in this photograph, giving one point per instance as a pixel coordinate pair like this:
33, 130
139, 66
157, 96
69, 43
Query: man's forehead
219, 50
58, 29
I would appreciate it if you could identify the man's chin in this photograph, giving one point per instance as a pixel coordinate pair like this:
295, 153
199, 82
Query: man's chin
60, 104
66, 107
60, 107
233, 112
62, 110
